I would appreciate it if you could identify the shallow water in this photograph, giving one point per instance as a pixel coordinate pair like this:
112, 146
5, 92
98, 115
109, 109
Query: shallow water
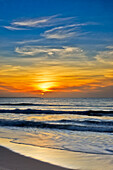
65, 124
68, 159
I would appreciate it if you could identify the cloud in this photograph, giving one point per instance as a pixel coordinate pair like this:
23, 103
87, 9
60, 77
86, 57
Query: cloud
62, 32
14, 28
54, 52
38, 22
109, 47
63, 27
29, 41
59, 32
105, 56
31, 23
60, 35
66, 66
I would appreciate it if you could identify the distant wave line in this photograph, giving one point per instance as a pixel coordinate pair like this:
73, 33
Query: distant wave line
40, 104
29, 104
35, 111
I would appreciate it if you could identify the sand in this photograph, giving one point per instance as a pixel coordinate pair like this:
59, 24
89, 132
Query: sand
36, 157
13, 161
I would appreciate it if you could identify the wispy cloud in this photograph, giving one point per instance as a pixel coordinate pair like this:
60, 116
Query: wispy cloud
29, 41
57, 28
31, 23
38, 22
109, 47
19, 25
67, 56
62, 32
54, 52
14, 28
105, 56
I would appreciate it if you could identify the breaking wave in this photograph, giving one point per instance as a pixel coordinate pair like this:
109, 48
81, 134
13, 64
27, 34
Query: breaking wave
52, 125
35, 111
29, 104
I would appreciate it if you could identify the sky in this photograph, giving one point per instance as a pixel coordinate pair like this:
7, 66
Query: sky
60, 48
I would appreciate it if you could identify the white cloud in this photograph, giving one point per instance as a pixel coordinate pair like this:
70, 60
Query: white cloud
38, 22
33, 50
62, 32
54, 52
29, 41
14, 28
30, 23
109, 47
60, 35
64, 27
105, 56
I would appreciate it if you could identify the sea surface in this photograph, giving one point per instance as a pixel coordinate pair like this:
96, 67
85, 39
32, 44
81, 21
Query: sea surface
72, 124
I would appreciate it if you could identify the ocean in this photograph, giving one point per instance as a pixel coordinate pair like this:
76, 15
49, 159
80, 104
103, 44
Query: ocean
72, 124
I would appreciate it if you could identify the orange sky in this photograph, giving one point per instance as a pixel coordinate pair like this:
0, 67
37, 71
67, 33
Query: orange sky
45, 77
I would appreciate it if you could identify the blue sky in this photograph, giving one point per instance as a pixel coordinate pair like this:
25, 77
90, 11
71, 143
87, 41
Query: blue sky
97, 15
41, 31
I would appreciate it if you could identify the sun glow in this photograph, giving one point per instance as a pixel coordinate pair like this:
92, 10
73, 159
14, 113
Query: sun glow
46, 86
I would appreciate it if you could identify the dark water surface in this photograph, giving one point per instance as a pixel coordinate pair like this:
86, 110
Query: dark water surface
84, 124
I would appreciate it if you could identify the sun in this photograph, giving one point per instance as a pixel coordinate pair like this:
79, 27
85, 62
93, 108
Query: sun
45, 87
45, 84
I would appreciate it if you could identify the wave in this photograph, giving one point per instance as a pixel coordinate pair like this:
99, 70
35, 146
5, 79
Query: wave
16, 104
30, 104
88, 122
35, 111
33, 124
40, 104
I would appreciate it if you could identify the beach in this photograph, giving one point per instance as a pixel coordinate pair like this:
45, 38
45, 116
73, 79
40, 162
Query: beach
25, 157
12, 161
55, 133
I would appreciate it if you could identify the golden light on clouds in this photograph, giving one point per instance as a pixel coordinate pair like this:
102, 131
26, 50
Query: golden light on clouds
45, 86
73, 73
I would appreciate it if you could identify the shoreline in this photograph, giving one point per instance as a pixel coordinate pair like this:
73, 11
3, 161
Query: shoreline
23, 157
10, 160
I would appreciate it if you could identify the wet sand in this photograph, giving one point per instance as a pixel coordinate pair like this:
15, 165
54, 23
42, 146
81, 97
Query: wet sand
25, 157
13, 161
